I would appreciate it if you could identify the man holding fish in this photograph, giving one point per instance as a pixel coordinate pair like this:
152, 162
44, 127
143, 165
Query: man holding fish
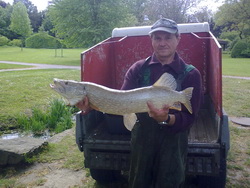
160, 136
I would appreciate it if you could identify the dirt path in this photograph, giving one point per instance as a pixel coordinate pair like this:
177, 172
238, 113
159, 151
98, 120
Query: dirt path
51, 175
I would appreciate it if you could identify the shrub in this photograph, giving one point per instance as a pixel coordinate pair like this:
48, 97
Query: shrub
3, 40
246, 53
59, 114
16, 42
232, 44
56, 118
240, 49
42, 40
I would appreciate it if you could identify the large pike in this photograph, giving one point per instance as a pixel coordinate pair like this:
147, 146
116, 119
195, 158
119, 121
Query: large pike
125, 102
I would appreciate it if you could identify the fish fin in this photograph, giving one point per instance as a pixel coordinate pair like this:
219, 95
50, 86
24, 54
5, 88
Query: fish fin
129, 121
166, 80
176, 106
188, 95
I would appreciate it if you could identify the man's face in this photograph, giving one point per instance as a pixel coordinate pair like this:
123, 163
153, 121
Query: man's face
164, 44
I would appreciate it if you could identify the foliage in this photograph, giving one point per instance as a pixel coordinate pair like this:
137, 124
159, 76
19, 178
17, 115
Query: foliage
86, 22
34, 16
235, 16
246, 53
3, 40
5, 14
230, 35
16, 42
173, 9
47, 25
42, 40
4, 18
20, 22
240, 49
57, 118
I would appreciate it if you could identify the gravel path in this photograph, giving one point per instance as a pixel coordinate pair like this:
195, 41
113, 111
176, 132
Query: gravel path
48, 66
37, 66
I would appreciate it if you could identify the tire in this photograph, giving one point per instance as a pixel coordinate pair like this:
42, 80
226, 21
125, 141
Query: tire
105, 176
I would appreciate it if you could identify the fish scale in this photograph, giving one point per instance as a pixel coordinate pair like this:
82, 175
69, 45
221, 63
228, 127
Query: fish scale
129, 102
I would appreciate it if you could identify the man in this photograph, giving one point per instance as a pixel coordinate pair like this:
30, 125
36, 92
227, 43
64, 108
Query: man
160, 138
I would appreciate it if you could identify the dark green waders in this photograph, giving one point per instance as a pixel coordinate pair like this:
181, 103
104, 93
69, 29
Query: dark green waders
158, 157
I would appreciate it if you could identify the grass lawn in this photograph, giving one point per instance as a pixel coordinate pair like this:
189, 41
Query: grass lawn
230, 66
22, 90
236, 97
42, 56
235, 66
10, 66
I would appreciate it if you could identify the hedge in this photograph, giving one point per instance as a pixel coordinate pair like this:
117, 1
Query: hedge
240, 49
42, 40
3, 40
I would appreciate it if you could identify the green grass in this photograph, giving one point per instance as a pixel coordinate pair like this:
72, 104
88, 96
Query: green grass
64, 153
235, 66
23, 90
20, 91
10, 66
230, 66
60, 151
56, 118
236, 97
41, 56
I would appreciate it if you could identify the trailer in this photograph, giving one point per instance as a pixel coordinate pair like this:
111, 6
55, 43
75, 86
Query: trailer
103, 138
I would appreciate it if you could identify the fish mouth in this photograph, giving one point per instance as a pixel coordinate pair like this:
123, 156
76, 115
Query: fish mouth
56, 84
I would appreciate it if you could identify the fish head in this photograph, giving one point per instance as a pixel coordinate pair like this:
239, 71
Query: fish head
73, 91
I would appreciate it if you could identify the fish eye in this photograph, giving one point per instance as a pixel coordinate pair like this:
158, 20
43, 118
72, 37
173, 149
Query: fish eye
66, 83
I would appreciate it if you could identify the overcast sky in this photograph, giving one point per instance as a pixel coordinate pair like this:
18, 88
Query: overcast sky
42, 4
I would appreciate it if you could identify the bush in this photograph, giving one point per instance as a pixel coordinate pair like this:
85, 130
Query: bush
246, 53
3, 40
240, 49
42, 40
16, 42
56, 118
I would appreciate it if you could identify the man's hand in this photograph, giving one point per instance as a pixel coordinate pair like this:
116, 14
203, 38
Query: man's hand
158, 114
84, 105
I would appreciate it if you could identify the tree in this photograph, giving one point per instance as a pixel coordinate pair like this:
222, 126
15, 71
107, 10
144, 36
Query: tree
137, 8
173, 9
34, 16
4, 19
3, 4
5, 14
87, 22
47, 25
20, 22
235, 16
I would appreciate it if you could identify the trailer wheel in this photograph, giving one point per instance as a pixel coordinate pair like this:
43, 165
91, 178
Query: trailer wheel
218, 182
105, 176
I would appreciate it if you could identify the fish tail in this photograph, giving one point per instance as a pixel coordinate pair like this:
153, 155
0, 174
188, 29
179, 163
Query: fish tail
188, 95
